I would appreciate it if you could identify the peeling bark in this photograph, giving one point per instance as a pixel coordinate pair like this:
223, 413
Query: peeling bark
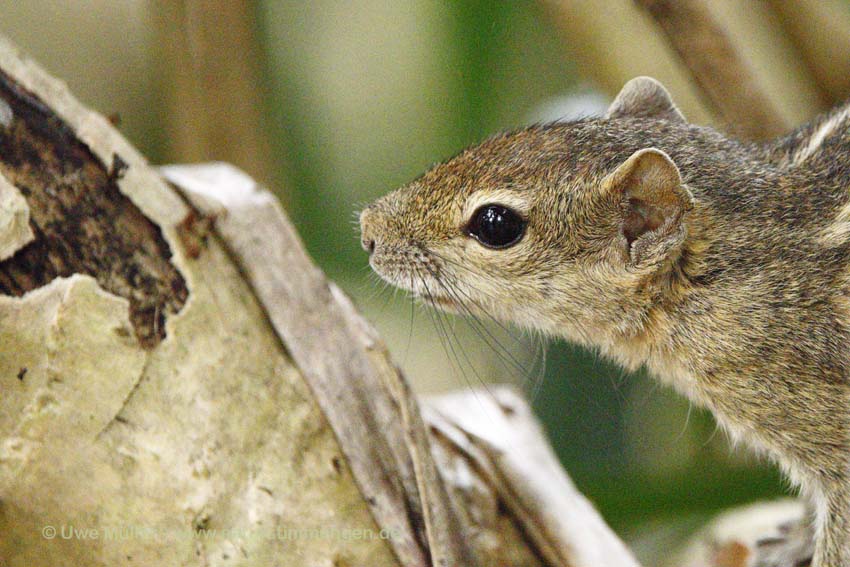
15, 231
81, 221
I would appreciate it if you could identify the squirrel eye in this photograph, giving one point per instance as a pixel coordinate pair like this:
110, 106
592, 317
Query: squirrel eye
496, 226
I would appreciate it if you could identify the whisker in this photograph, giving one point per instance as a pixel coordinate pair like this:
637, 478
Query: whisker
505, 355
537, 381
476, 306
379, 289
463, 298
410, 332
684, 429
481, 330
437, 315
486, 270
458, 291
527, 373
461, 267
491, 340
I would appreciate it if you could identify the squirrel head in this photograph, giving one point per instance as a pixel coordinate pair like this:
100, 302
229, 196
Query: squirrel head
560, 227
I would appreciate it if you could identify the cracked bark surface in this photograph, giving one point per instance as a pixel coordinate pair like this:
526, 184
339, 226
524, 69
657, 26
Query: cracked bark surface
81, 222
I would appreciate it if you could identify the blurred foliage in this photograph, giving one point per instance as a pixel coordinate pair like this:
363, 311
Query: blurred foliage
362, 97
638, 450
365, 98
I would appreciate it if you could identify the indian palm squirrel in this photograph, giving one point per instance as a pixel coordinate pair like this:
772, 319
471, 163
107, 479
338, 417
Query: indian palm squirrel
721, 266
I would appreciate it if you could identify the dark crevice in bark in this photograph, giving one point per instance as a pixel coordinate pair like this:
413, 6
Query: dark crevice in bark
82, 223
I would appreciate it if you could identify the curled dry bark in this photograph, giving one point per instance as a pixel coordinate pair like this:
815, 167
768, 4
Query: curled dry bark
180, 385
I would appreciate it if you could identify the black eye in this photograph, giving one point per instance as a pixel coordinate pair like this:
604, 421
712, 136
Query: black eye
496, 226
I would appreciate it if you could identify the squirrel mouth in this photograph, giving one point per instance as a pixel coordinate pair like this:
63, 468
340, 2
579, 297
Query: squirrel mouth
442, 301
439, 302
418, 287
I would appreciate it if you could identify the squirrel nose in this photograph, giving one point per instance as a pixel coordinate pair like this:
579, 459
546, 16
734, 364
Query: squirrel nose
366, 239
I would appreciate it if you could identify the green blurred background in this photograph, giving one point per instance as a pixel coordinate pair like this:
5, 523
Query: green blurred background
342, 102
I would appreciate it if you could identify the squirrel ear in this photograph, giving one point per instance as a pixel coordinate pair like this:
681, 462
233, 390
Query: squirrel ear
644, 97
653, 201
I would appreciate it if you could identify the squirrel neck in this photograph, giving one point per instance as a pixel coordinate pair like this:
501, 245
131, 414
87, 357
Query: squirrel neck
766, 257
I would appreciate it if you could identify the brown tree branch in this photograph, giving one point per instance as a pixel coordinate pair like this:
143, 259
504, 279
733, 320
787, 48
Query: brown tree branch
717, 67
212, 84
821, 31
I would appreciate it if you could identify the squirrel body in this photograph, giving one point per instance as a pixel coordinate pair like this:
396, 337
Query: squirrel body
721, 266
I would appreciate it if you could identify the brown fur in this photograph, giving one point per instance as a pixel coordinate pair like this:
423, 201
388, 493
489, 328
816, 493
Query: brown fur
740, 299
